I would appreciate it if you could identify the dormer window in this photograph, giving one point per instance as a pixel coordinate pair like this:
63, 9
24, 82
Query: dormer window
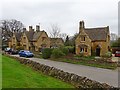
82, 38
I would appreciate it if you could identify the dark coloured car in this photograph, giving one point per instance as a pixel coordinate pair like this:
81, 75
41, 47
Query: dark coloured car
8, 50
11, 51
14, 51
117, 54
25, 53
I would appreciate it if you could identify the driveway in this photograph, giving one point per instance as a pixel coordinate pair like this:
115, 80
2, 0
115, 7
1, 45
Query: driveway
98, 74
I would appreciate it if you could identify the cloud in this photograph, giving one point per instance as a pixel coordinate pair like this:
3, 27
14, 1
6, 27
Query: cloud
66, 13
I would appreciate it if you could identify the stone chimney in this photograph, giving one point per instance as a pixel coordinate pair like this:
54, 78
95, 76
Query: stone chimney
24, 29
81, 26
37, 28
30, 28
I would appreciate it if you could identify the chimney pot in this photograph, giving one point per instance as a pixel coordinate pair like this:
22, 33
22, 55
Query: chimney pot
37, 28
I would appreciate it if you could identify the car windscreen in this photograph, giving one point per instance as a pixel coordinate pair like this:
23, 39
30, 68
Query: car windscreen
118, 52
27, 52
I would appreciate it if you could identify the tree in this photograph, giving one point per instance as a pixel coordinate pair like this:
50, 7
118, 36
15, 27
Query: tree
55, 31
67, 41
63, 36
72, 40
113, 36
116, 43
10, 26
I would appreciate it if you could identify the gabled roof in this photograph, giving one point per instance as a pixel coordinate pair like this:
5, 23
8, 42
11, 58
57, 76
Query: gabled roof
97, 33
37, 35
56, 40
33, 35
18, 36
29, 35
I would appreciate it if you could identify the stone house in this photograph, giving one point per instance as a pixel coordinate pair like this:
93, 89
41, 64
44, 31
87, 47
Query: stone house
56, 42
41, 40
26, 38
92, 40
34, 40
14, 41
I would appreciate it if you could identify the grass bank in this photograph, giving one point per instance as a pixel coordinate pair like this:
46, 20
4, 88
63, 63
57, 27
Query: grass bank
16, 75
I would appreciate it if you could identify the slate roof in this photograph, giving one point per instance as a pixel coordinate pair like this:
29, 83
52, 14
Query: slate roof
55, 40
29, 35
33, 35
18, 36
97, 33
37, 35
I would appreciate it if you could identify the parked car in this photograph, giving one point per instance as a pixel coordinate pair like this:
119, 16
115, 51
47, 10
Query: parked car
25, 53
8, 50
11, 51
14, 51
117, 54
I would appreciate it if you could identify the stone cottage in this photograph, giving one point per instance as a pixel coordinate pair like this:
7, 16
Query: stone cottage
56, 42
92, 40
34, 40
14, 41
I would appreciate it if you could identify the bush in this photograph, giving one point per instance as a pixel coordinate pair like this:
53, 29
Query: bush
108, 54
64, 50
46, 53
71, 49
57, 53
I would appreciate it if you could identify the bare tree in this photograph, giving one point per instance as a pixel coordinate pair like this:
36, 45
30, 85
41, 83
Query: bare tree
113, 36
63, 36
7, 27
10, 26
55, 31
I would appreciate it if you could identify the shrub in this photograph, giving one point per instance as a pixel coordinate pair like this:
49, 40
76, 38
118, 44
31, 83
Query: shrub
46, 53
64, 50
71, 49
57, 53
108, 54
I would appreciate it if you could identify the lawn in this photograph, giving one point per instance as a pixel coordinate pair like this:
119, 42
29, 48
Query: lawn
16, 75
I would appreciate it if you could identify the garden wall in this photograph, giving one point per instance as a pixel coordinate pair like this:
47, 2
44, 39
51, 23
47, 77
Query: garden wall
77, 81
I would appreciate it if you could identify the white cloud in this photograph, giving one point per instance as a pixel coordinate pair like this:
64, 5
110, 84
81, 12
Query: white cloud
66, 13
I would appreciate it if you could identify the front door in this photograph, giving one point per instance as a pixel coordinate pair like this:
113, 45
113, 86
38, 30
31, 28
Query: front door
98, 51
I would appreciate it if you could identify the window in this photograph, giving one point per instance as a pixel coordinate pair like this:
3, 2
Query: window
85, 49
82, 38
81, 49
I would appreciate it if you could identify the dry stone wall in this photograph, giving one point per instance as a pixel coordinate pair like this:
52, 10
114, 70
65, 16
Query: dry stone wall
77, 81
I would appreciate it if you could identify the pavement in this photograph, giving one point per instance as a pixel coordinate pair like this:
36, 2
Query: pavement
98, 74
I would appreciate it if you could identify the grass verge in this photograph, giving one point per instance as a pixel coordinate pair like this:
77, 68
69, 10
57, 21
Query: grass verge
16, 75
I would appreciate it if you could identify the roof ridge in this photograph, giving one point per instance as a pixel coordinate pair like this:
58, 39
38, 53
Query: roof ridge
97, 28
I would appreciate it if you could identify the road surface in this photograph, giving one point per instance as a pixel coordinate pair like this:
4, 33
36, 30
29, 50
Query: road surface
98, 74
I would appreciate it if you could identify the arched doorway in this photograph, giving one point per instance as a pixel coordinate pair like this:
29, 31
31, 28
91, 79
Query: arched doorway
98, 50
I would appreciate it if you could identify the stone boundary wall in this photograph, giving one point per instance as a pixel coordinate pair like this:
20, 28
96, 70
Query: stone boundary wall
75, 80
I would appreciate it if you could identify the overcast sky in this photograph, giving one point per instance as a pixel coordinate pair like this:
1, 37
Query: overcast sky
65, 13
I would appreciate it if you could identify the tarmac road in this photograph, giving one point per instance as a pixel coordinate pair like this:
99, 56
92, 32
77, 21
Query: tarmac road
98, 74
